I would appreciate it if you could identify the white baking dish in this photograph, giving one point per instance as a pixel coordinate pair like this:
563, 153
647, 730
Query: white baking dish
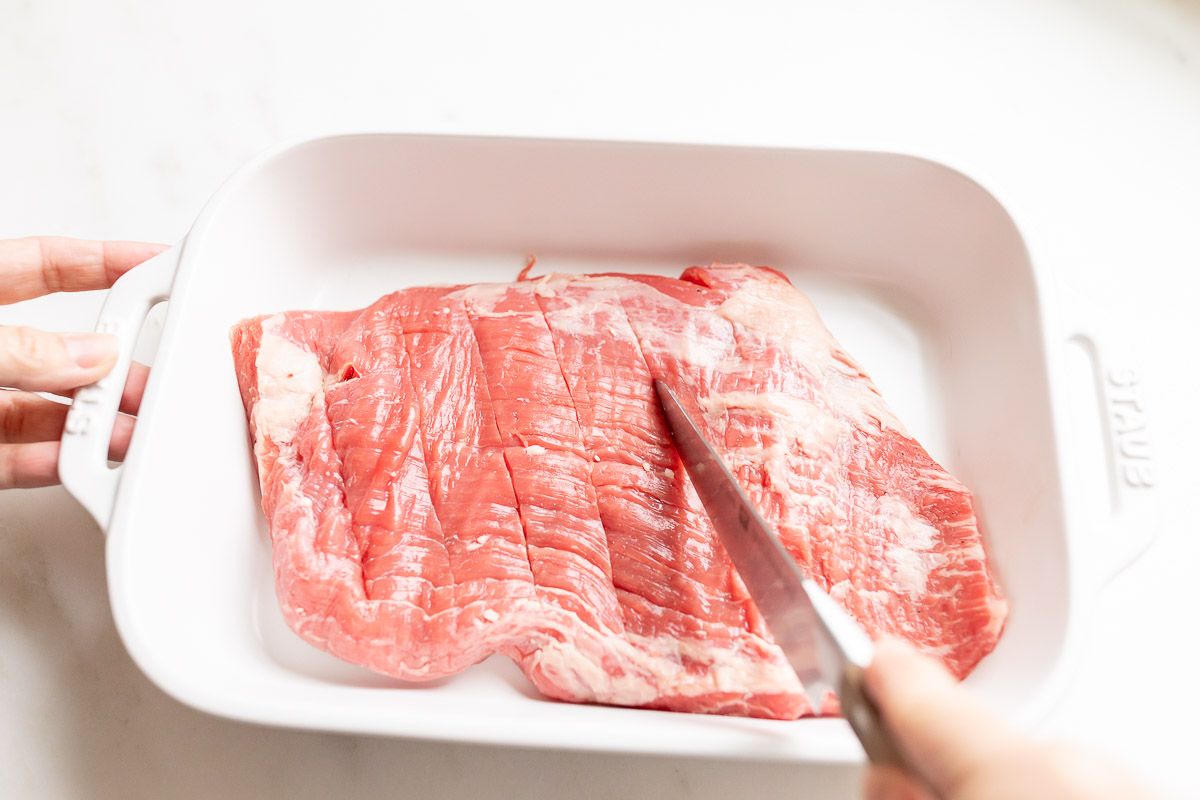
919, 271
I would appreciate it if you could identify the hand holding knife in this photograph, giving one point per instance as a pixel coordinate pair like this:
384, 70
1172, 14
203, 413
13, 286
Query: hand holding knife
964, 751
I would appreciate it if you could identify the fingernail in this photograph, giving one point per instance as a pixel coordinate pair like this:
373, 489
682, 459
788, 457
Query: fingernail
88, 350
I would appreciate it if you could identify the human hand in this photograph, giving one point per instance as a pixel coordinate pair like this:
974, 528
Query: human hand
965, 751
59, 363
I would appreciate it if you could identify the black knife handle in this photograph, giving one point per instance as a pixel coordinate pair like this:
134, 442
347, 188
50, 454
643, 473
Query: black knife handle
863, 715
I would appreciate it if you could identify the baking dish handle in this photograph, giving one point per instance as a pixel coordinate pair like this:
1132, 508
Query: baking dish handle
83, 457
1132, 515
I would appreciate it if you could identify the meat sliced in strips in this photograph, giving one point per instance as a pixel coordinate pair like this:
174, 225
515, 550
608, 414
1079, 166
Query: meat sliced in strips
458, 471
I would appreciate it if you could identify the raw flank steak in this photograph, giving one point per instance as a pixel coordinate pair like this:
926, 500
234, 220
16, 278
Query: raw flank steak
458, 471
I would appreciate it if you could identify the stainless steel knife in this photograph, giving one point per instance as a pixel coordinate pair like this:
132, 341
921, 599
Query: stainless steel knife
827, 649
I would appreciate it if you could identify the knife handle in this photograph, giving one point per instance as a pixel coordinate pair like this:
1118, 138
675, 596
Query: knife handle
863, 715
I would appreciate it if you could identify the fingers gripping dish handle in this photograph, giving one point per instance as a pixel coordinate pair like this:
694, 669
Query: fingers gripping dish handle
83, 455
1132, 516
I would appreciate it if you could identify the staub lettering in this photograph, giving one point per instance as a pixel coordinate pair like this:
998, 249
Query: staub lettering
1127, 411
88, 399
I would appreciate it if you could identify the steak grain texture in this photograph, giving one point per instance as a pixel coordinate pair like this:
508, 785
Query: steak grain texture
458, 471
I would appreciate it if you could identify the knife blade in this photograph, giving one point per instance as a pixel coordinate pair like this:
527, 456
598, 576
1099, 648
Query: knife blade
825, 647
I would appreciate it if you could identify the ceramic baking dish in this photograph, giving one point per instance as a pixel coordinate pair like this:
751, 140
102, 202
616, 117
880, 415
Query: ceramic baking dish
919, 272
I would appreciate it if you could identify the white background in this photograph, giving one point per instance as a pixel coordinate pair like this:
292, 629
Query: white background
118, 120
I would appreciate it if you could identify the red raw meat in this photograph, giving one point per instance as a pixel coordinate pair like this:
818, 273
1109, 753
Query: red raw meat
458, 471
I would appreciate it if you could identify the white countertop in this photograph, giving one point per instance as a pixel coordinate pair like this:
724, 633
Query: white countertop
119, 119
